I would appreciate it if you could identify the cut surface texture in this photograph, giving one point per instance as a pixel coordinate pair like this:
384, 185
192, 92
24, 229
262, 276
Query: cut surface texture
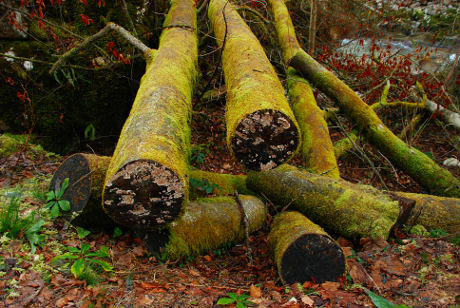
146, 182
261, 128
304, 251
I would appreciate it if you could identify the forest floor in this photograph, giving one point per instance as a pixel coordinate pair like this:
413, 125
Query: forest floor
415, 270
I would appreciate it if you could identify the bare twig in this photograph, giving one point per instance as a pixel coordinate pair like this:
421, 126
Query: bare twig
245, 220
130, 21
109, 27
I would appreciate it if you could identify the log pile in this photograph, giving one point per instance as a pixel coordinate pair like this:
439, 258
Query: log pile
145, 184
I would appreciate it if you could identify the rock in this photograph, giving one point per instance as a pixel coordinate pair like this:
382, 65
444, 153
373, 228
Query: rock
451, 162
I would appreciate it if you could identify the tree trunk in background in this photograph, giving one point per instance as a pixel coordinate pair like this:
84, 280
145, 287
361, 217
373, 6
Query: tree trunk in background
304, 251
317, 149
312, 27
351, 210
146, 183
207, 224
261, 129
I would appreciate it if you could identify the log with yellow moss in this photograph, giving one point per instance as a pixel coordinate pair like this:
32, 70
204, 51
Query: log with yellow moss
303, 251
86, 173
351, 210
146, 182
261, 129
207, 224
316, 147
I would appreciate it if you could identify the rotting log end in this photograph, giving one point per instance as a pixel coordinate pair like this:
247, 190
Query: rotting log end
321, 259
144, 194
265, 139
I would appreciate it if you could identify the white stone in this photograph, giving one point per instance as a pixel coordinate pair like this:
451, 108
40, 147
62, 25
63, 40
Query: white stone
451, 162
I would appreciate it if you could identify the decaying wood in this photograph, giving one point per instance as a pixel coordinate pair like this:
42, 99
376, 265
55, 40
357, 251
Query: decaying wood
261, 129
146, 182
304, 251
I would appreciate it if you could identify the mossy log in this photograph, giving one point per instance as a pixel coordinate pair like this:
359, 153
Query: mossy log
317, 149
86, 174
261, 129
345, 144
146, 182
344, 208
434, 212
413, 162
223, 184
205, 225
304, 251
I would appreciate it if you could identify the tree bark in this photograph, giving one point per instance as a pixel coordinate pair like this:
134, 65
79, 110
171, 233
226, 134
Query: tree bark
146, 182
304, 251
261, 129
420, 167
317, 149
206, 224
226, 183
351, 210
86, 173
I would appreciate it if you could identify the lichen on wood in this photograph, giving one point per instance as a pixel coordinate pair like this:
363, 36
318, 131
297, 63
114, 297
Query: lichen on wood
303, 250
224, 184
206, 224
261, 129
146, 183
351, 210
86, 173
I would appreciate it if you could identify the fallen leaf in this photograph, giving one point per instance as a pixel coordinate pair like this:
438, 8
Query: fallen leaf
254, 291
145, 301
207, 258
307, 300
138, 251
330, 285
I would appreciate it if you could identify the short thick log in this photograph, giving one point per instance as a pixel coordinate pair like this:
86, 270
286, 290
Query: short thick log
207, 224
416, 164
261, 129
351, 210
86, 173
304, 251
146, 182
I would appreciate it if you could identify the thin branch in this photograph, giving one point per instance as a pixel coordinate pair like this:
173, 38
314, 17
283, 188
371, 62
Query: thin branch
130, 21
109, 27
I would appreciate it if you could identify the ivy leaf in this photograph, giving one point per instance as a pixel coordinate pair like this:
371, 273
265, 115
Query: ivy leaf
77, 268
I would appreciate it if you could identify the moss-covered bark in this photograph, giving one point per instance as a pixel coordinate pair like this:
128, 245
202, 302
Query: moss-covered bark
345, 144
416, 164
434, 212
351, 210
226, 183
207, 224
86, 173
146, 182
261, 129
303, 250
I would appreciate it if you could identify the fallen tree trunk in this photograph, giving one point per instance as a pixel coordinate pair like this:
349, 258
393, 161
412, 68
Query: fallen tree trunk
317, 149
222, 184
261, 129
146, 184
86, 173
420, 167
206, 224
351, 210
304, 251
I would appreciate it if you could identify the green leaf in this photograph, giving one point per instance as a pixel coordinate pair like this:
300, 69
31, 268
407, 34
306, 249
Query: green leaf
50, 196
65, 205
225, 301
64, 256
84, 248
378, 301
117, 232
105, 266
77, 268
73, 249
54, 211
242, 297
82, 233
64, 186
34, 228
240, 305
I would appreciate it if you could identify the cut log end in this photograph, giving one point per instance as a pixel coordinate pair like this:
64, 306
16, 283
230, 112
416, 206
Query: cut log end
313, 257
77, 169
144, 194
265, 139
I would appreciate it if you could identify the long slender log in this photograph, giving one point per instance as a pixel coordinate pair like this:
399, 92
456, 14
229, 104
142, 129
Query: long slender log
344, 208
224, 184
261, 129
86, 173
303, 250
317, 148
146, 183
416, 164
206, 224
